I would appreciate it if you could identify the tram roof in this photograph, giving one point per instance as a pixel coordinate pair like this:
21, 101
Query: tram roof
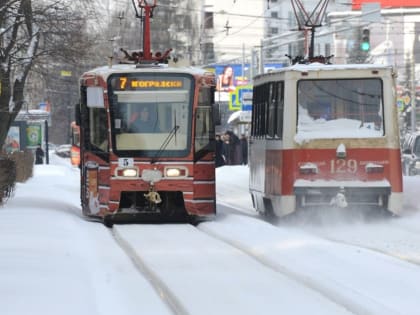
323, 67
105, 71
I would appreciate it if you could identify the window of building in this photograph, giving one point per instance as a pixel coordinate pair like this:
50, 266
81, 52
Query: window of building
208, 20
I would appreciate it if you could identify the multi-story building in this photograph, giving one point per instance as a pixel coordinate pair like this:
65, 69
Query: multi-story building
230, 29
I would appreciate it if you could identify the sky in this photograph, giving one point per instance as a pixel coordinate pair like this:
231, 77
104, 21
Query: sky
53, 261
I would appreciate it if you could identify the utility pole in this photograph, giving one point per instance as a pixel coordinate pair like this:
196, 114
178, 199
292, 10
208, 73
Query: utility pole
413, 91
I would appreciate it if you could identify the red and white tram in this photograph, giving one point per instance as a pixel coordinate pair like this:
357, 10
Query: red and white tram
325, 136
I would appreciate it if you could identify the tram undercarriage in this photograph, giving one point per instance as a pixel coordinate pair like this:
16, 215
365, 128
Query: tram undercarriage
149, 207
342, 197
306, 198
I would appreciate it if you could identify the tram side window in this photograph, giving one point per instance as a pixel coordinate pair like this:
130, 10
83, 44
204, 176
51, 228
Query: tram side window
272, 103
259, 110
204, 131
275, 110
280, 110
98, 128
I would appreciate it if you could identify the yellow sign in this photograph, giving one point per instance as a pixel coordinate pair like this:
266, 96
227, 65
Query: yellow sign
65, 73
136, 84
406, 99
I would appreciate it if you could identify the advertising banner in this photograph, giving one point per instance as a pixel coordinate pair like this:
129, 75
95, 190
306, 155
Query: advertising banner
33, 135
12, 142
387, 4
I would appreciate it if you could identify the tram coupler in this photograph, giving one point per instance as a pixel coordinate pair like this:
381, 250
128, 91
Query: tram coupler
153, 196
339, 200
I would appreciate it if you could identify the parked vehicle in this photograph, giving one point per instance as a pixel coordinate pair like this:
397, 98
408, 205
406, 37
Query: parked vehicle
411, 154
63, 150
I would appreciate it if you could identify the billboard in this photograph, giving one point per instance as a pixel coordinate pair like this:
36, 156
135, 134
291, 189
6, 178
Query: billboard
33, 135
387, 4
16, 137
230, 76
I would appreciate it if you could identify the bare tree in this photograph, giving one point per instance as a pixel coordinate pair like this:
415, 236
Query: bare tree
34, 33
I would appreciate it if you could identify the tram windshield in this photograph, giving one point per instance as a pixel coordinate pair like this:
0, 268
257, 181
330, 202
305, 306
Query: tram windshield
151, 114
340, 108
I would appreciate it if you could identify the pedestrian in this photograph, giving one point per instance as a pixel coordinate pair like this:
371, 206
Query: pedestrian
39, 155
233, 156
226, 149
219, 150
244, 149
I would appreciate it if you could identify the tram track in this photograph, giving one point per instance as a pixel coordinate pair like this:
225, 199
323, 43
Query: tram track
369, 252
336, 292
174, 299
397, 241
161, 289
390, 244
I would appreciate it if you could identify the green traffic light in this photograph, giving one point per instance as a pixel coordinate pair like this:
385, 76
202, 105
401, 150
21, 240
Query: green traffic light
365, 46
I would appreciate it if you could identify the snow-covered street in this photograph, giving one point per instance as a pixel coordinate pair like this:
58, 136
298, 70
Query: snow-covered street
52, 261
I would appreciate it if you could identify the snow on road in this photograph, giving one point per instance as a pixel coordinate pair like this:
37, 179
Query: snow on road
52, 261
366, 282
208, 276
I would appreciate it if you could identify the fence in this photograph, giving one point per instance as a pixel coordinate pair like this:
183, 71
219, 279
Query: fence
14, 167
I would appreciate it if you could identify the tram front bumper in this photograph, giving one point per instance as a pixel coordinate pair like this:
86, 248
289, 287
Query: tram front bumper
342, 194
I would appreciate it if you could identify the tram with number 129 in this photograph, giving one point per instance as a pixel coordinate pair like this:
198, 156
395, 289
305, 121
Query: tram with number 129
147, 139
325, 136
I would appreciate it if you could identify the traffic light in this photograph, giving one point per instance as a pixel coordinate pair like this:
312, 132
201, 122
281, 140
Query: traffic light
365, 43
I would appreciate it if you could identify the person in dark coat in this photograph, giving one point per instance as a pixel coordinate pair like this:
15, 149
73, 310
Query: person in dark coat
219, 152
233, 147
244, 149
39, 155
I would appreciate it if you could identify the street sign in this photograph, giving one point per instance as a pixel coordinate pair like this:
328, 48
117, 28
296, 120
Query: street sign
233, 104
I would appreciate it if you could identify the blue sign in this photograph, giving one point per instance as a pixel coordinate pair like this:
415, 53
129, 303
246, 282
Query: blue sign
245, 108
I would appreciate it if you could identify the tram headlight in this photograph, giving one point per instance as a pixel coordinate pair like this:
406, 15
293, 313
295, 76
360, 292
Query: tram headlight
127, 172
417, 165
308, 168
374, 168
178, 171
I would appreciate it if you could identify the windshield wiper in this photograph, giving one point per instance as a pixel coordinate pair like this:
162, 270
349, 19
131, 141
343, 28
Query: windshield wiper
165, 143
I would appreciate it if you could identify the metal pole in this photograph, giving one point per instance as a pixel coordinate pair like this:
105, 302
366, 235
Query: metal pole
47, 155
413, 95
243, 61
261, 66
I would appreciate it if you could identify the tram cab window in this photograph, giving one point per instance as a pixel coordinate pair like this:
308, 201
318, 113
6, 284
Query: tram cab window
98, 128
340, 108
144, 122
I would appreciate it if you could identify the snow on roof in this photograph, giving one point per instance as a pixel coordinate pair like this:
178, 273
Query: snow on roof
124, 68
316, 66
33, 114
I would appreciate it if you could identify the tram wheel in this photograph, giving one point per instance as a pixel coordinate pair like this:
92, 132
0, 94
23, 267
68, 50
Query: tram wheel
108, 222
